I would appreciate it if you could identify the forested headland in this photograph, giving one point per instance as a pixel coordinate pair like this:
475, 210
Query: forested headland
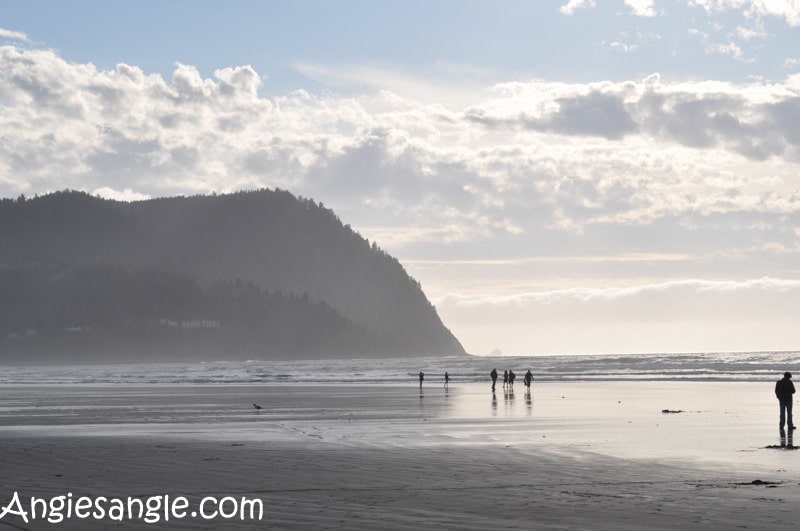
249, 275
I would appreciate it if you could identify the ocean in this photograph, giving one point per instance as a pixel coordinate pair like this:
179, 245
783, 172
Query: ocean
722, 367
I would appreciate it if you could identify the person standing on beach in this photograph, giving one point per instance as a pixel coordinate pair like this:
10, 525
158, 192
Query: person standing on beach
505, 379
493, 374
511, 378
784, 389
446, 379
528, 379
421, 377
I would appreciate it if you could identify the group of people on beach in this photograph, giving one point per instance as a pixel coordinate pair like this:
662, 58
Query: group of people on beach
508, 379
784, 391
446, 379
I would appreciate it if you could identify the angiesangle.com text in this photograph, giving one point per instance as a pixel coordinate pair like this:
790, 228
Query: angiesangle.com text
148, 509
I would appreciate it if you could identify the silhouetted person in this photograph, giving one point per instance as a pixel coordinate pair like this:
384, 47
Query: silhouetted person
505, 379
446, 379
421, 377
528, 379
784, 389
511, 378
256, 407
493, 374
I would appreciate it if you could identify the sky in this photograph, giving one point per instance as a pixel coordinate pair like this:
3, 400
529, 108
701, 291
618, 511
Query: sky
562, 176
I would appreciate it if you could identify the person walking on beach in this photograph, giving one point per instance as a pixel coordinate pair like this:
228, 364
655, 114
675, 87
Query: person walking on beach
446, 379
784, 389
505, 379
528, 379
421, 377
493, 374
511, 378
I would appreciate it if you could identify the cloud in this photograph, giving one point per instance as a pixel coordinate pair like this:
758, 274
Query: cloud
748, 34
445, 84
627, 42
573, 5
622, 46
588, 294
13, 35
120, 195
642, 8
685, 315
739, 118
731, 49
595, 114
789, 10
639, 8
561, 260
542, 164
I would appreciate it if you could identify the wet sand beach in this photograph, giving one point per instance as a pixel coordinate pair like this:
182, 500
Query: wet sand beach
584, 455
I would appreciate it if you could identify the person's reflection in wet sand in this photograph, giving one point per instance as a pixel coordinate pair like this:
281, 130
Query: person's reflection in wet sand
494, 404
786, 440
529, 403
509, 400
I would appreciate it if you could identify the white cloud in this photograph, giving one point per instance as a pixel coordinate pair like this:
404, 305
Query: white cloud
639, 8
449, 84
642, 8
589, 294
622, 46
789, 10
631, 42
730, 48
573, 5
748, 34
522, 160
13, 35
126, 195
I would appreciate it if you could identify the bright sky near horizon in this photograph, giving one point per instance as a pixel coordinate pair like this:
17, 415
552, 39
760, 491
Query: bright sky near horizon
562, 176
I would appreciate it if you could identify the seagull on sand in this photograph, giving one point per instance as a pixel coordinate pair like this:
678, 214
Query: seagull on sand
256, 406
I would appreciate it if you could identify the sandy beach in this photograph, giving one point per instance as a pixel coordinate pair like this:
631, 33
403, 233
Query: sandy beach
584, 455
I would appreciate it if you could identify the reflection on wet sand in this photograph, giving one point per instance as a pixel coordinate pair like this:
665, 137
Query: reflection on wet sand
786, 440
508, 395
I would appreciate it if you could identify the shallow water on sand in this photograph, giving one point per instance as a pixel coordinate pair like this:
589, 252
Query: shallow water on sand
719, 424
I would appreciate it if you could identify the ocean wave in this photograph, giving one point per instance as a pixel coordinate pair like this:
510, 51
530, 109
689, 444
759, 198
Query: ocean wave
747, 366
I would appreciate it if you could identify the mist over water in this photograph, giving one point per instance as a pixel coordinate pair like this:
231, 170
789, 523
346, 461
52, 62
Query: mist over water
748, 366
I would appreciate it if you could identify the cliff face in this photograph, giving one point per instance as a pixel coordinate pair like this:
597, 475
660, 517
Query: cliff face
249, 275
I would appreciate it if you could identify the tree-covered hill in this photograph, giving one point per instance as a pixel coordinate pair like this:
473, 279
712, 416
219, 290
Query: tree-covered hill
248, 275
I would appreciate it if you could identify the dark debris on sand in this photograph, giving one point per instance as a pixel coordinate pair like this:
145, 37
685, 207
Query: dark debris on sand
761, 482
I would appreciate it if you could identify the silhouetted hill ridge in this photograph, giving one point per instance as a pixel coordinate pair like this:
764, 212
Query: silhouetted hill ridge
268, 239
